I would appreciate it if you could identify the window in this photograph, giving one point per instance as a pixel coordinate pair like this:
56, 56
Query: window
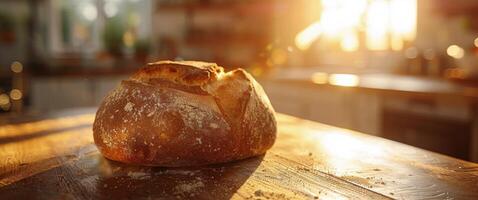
374, 24
92, 26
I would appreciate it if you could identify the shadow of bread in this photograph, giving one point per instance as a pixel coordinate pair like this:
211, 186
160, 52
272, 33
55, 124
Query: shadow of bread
94, 177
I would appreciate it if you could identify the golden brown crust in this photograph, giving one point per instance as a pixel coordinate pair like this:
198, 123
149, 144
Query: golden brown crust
165, 123
184, 72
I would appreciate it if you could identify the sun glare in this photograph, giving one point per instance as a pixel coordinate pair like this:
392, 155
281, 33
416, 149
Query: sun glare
403, 18
377, 25
304, 39
350, 42
343, 147
387, 24
346, 80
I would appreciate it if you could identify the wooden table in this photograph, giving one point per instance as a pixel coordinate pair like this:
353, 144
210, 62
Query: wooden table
55, 158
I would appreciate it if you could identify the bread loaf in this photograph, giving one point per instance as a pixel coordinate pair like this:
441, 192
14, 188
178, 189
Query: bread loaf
185, 113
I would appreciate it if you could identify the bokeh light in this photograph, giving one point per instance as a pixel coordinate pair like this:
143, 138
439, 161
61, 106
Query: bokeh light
89, 12
16, 67
16, 94
455, 51
4, 102
346, 80
320, 78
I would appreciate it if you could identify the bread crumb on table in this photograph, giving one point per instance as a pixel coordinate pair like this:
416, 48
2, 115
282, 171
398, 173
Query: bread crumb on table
138, 175
189, 188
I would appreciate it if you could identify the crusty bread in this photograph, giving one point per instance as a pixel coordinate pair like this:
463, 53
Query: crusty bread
185, 113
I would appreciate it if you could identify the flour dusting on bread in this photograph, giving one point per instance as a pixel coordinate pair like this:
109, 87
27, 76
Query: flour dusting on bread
185, 113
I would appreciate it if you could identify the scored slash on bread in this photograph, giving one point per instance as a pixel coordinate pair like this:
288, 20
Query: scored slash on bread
184, 72
185, 113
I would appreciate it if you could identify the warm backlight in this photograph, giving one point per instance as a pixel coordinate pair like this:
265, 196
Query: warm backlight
350, 42
387, 24
305, 38
377, 25
320, 78
45, 125
346, 80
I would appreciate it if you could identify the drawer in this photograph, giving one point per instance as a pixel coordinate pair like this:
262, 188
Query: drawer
435, 133
455, 108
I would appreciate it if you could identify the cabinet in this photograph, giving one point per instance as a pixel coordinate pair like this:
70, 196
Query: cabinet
342, 107
444, 124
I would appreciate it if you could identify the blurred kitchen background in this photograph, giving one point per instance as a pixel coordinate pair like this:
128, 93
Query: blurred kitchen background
405, 70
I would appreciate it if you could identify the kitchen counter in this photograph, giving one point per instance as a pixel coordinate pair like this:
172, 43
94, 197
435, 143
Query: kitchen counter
435, 114
376, 82
55, 158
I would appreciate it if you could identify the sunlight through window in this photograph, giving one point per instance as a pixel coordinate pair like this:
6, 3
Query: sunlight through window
386, 24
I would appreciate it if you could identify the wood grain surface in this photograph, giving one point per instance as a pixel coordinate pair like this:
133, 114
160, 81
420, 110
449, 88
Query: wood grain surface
55, 158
